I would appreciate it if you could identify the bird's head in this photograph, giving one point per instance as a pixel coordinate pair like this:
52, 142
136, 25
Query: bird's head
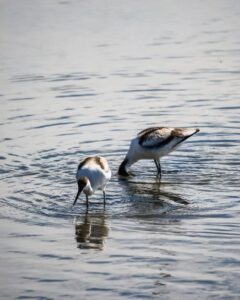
122, 171
83, 186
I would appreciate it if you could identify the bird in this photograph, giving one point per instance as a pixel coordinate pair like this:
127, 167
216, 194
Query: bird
154, 143
93, 173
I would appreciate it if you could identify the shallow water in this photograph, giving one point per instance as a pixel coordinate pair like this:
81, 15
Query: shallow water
82, 78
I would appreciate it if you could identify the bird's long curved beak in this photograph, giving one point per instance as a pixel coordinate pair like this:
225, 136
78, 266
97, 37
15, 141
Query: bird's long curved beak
80, 188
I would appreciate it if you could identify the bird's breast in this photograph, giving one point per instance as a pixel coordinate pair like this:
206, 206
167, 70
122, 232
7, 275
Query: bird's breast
96, 177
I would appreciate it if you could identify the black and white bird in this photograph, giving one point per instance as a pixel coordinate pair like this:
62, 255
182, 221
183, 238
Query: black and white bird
154, 143
93, 174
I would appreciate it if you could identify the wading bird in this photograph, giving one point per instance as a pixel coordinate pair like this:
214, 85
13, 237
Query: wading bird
93, 174
154, 143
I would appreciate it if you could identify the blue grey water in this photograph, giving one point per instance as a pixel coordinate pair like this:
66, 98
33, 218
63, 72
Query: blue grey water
82, 78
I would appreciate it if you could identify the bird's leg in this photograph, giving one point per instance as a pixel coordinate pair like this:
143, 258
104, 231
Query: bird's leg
104, 198
159, 170
157, 165
87, 201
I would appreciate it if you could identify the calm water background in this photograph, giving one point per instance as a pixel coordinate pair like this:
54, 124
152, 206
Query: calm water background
82, 78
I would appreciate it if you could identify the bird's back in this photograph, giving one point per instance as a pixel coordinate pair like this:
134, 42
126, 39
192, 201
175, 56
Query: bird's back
155, 142
96, 169
160, 136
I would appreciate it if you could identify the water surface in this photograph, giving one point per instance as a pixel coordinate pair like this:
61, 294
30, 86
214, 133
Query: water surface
82, 78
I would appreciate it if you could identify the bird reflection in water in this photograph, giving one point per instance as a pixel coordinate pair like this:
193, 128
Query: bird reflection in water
91, 231
151, 197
